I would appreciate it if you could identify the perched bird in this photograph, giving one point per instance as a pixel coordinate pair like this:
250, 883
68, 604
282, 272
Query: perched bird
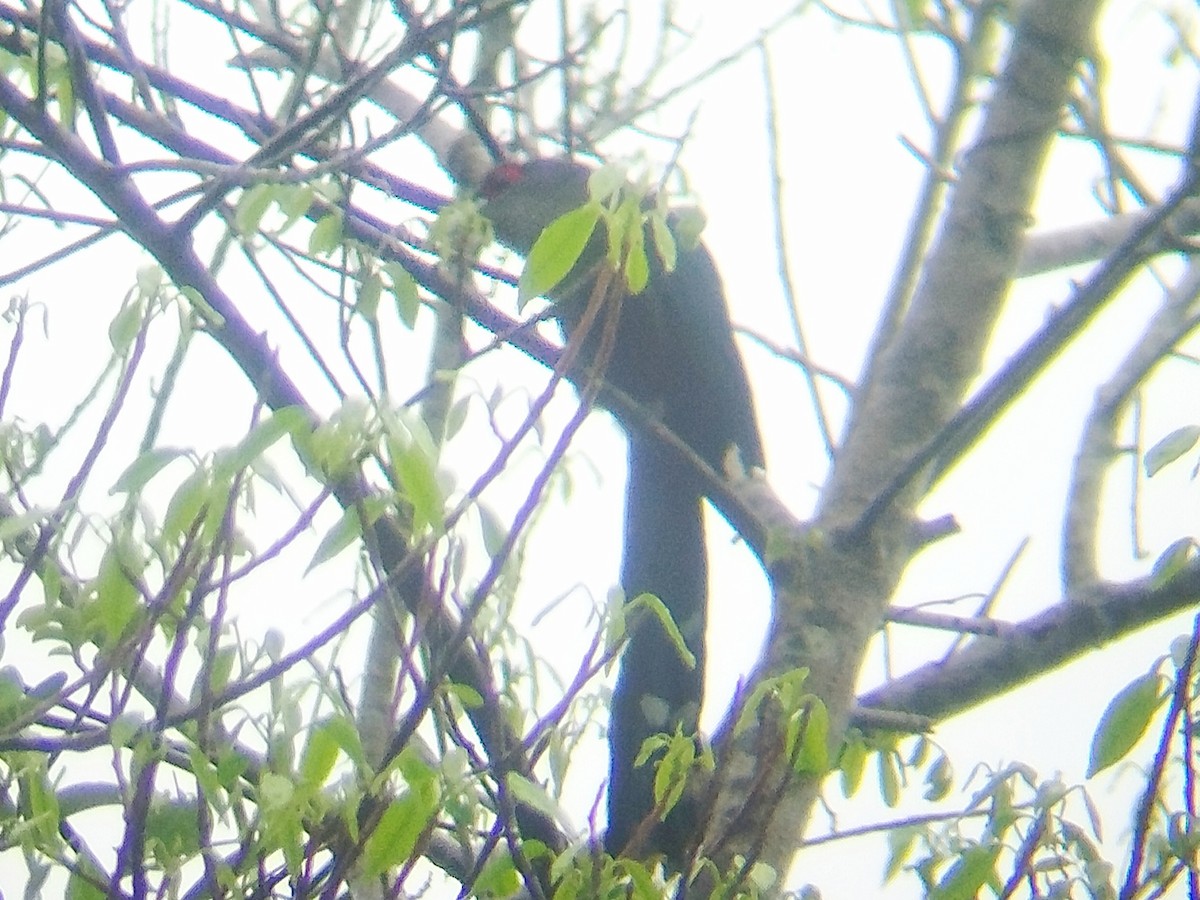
674, 355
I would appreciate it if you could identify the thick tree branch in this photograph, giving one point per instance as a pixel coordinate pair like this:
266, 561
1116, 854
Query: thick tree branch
917, 381
1098, 445
970, 422
989, 666
969, 54
835, 596
1048, 251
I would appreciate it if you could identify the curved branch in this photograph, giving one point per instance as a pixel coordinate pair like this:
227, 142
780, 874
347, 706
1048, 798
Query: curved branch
1098, 445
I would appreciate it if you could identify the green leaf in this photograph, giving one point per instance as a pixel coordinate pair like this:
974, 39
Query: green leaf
1170, 448
15, 526
492, 529
418, 479
530, 793
251, 207
664, 243
231, 766
150, 281
939, 779
689, 223
320, 753
12, 696
889, 778
660, 612
499, 877
273, 643
172, 833
920, 752
395, 837
813, 758
208, 780
637, 266
417, 773
404, 289
291, 420
852, 764
671, 772
900, 844
201, 306
62, 88
344, 532
1125, 720
124, 729
466, 695
369, 293
138, 474
124, 328
114, 601
557, 250
326, 235
187, 503
336, 445
456, 417
280, 811
969, 873
460, 233
220, 667
765, 878
650, 748
624, 227
616, 624
294, 201
275, 791
569, 885
606, 182
345, 734
38, 797
786, 689
1173, 560
80, 888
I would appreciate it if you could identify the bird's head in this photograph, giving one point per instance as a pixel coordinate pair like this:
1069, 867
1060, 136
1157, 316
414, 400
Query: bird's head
521, 199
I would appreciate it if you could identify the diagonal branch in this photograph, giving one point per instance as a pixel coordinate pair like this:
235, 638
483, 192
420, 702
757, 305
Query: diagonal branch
1098, 445
917, 381
989, 666
973, 419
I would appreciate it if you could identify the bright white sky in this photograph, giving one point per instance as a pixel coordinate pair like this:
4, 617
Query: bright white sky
849, 183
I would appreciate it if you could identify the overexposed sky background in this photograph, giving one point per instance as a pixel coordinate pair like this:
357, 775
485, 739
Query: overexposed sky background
845, 101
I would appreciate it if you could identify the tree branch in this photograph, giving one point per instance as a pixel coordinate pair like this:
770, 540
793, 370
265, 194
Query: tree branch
1098, 445
1080, 623
833, 599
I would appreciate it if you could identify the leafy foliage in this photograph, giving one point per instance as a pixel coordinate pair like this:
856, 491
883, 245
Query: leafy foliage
267, 504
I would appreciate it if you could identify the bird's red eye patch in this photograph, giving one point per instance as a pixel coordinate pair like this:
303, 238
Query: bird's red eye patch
500, 178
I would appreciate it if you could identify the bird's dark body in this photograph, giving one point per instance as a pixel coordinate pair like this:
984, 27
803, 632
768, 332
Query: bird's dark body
674, 354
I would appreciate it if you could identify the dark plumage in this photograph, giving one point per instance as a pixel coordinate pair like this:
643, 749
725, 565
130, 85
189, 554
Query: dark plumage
674, 354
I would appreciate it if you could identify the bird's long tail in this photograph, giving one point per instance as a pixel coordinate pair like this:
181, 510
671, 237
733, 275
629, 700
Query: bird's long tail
657, 690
